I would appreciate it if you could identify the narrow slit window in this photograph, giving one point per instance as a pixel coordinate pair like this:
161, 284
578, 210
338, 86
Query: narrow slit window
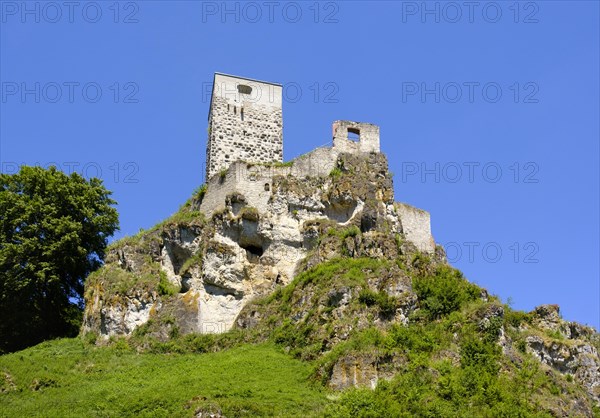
242, 113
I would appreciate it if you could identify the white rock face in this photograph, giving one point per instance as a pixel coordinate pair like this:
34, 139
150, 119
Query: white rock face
575, 355
260, 228
178, 247
124, 317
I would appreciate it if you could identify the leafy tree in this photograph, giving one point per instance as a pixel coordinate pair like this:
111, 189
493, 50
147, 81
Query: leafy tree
53, 233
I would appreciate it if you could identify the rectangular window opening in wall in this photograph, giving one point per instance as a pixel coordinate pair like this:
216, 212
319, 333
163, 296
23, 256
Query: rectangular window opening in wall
242, 113
354, 134
235, 110
244, 89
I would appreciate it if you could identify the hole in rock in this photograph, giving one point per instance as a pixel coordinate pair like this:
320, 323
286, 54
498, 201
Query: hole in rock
237, 207
253, 253
186, 283
176, 256
340, 212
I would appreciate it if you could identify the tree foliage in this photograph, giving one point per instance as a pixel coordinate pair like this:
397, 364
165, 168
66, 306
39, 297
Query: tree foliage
53, 232
444, 292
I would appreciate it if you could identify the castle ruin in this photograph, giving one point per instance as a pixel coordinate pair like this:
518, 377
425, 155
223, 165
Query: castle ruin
262, 219
245, 152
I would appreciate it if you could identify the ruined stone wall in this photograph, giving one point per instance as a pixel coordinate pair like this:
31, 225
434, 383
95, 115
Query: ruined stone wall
245, 146
416, 226
243, 126
241, 179
254, 181
317, 163
368, 137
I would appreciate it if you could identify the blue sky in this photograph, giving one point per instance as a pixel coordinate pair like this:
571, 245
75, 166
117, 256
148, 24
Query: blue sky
489, 115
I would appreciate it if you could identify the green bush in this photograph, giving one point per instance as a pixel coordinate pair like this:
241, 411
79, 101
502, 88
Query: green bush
515, 318
387, 304
444, 292
295, 336
358, 403
492, 331
336, 173
477, 353
417, 341
554, 334
368, 297
521, 345
430, 387
90, 338
165, 287
420, 261
344, 233
351, 231
200, 192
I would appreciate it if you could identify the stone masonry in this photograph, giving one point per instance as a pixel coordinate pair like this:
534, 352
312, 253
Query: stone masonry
245, 139
244, 123
366, 134
254, 181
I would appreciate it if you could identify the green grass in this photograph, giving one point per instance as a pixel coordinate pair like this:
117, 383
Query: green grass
344, 233
69, 378
347, 271
272, 164
165, 288
336, 173
429, 385
115, 281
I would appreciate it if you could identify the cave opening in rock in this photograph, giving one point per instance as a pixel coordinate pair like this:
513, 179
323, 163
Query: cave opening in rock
340, 212
253, 249
253, 252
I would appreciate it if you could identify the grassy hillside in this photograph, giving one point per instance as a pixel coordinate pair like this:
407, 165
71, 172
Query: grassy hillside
69, 378
444, 363
462, 353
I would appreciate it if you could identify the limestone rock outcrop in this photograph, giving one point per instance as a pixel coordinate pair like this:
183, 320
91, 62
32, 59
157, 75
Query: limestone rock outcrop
568, 347
255, 228
243, 237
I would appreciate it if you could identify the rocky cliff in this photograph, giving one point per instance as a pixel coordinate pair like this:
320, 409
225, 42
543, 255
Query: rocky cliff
208, 268
317, 256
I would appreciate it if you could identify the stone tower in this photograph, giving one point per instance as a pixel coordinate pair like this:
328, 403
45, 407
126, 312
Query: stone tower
244, 123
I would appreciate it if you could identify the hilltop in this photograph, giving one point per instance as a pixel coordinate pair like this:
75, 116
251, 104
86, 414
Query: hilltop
332, 286
299, 289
